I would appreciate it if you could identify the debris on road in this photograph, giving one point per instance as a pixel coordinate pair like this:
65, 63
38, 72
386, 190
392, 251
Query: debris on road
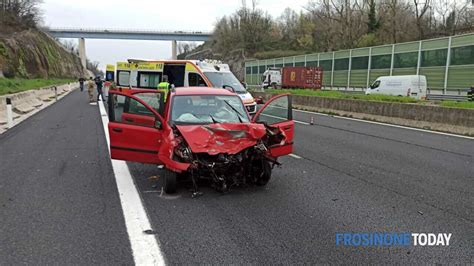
154, 177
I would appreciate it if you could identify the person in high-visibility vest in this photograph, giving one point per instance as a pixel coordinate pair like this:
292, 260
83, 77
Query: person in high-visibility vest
164, 85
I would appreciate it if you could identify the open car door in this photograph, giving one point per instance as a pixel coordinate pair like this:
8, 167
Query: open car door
278, 113
135, 126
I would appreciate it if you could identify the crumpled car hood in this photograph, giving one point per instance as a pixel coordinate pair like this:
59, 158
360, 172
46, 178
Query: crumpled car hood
229, 138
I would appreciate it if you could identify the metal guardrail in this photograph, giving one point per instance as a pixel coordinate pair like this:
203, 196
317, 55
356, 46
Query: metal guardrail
446, 97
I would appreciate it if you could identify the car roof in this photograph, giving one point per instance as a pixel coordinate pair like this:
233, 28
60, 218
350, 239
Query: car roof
201, 91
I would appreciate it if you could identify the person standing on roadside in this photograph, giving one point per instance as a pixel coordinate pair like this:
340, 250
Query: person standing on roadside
164, 85
81, 83
90, 89
99, 84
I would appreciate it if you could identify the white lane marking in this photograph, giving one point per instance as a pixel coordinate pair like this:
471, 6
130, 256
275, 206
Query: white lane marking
145, 248
296, 121
294, 156
385, 124
301, 122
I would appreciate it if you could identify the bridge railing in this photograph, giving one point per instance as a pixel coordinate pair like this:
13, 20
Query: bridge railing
125, 30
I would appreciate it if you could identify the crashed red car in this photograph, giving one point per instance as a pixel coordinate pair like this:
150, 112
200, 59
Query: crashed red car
200, 133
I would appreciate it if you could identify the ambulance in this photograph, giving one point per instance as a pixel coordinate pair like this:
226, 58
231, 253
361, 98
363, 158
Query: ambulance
147, 74
122, 75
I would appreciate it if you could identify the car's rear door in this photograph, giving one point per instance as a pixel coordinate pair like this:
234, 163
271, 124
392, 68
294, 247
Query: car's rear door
135, 129
277, 112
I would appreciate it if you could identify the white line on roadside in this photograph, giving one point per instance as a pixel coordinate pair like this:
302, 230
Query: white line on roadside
145, 248
296, 121
301, 122
294, 156
385, 124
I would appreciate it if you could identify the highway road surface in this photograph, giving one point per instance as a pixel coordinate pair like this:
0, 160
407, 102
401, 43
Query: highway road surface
59, 201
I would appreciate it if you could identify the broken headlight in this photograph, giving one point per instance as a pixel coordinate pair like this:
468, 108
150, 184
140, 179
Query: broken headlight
183, 152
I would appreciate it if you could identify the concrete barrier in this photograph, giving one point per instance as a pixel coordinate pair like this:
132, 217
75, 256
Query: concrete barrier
45, 94
29, 102
22, 102
417, 112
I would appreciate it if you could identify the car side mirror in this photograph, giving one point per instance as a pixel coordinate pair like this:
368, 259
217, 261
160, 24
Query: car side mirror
259, 100
157, 123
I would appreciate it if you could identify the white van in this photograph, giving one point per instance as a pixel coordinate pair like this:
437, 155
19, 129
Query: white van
410, 85
271, 78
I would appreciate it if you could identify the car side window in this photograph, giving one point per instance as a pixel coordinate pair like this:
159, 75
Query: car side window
116, 110
276, 111
128, 110
137, 108
376, 84
194, 79
153, 99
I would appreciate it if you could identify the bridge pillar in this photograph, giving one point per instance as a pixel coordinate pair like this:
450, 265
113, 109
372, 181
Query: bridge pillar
82, 52
174, 52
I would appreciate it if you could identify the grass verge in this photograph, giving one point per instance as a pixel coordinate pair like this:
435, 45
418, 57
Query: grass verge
465, 105
341, 95
374, 97
8, 86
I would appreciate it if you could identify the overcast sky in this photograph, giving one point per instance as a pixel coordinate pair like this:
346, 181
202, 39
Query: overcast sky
193, 15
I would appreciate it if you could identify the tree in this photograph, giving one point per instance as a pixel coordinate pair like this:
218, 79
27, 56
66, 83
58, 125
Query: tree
186, 47
25, 12
373, 23
70, 45
420, 11
249, 29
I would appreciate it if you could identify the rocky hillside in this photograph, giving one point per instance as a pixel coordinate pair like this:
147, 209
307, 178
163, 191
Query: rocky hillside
29, 53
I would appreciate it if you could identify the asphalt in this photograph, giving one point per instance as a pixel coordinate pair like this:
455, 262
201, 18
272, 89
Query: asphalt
58, 198
352, 177
59, 201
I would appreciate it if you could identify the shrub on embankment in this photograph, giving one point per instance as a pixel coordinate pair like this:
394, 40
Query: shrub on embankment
9, 86
30, 53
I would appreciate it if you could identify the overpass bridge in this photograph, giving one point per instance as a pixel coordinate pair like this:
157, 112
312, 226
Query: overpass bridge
127, 34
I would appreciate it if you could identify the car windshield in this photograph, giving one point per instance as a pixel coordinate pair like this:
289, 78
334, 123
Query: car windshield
219, 79
207, 109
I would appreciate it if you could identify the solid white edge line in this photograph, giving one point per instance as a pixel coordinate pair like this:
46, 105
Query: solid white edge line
386, 124
145, 248
296, 121
294, 156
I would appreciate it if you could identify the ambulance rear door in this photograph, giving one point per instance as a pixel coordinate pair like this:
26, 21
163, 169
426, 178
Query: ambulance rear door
193, 77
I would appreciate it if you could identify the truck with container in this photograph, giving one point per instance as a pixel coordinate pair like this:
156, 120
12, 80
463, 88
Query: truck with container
293, 77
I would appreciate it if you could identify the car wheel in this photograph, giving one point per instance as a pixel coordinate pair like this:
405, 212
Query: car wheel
170, 182
265, 174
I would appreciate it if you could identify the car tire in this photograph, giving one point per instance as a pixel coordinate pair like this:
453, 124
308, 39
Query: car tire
170, 182
264, 177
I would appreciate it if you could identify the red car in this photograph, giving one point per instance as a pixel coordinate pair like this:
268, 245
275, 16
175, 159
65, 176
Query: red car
200, 133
